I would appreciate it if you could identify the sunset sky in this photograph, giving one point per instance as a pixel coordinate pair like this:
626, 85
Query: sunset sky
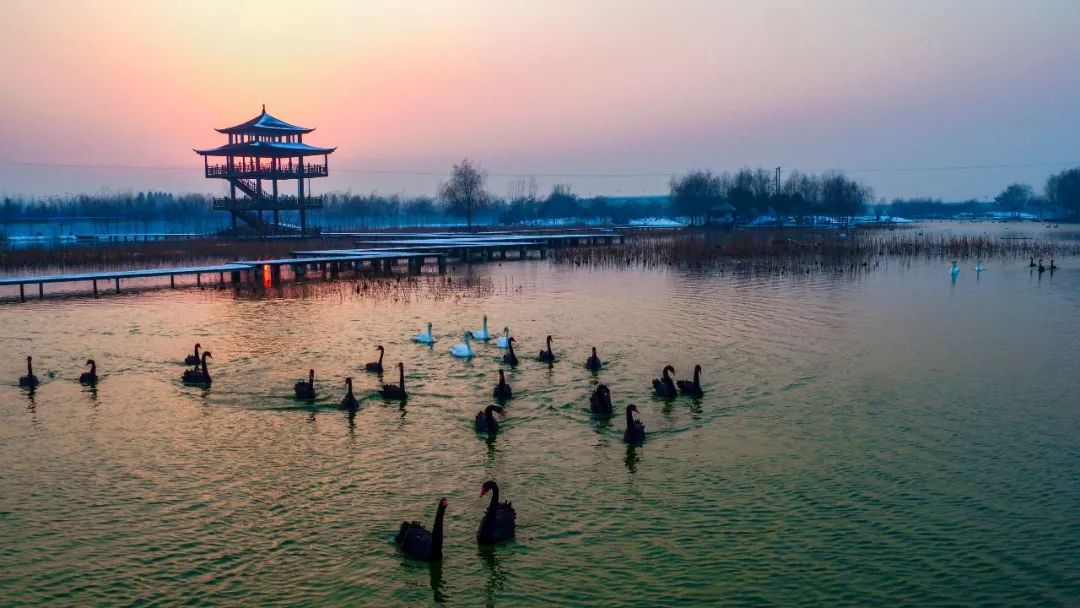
607, 96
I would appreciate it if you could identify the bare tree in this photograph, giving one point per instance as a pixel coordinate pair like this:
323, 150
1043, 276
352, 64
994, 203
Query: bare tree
464, 193
1014, 198
695, 194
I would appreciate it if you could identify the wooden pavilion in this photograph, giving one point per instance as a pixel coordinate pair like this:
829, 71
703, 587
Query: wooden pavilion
266, 149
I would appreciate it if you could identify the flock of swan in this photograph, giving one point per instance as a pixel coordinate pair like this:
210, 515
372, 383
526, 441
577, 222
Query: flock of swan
498, 521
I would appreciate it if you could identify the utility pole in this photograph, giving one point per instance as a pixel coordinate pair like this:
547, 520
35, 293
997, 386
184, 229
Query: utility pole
777, 180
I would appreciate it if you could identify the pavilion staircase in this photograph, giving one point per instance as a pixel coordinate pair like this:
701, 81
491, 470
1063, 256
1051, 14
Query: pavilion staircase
252, 218
249, 187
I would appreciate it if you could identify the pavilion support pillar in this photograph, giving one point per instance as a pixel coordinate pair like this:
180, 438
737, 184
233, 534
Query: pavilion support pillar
22, 293
41, 291
442, 263
523, 253
414, 265
221, 279
543, 253
172, 281
234, 276
95, 288
198, 279
117, 284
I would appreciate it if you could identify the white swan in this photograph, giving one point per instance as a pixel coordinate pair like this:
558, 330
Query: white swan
462, 350
503, 341
483, 334
425, 337
955, 270
979, 266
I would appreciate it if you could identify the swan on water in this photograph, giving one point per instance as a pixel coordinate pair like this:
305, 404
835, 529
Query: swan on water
396, 391
376, 366
635, 429
483, 334
425, 337
29, 380
503, 341
510, 358
417, 543
499, 519
692, 387
306, 390
193, 359
199, 376
463, 350
89, 377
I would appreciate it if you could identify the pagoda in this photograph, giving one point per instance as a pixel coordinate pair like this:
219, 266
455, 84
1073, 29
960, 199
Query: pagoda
266, 149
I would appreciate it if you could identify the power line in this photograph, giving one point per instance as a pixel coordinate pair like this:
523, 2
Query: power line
607, 175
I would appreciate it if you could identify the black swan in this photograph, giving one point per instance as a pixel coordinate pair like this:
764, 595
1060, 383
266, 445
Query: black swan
498, 523
503, 391
1032, 264
665, 386
635, 430
193, 359
485, 421
1041, 267
547, 356
199, 376
510, 358
417, 543
396, 391
1053, 266
306, 390
593, 363
29, 380
349, 401
376, 366
692, 387
600, 401
89, 377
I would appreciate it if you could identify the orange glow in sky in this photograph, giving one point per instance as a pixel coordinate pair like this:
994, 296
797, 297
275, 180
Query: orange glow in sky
539, 87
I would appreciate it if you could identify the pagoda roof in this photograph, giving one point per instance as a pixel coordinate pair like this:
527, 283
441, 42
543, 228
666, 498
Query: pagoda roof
265, 124
265, 149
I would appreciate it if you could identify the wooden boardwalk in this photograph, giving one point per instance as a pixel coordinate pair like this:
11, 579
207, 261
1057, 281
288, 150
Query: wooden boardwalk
379, 253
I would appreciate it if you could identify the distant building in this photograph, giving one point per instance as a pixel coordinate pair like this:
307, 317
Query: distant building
266, 149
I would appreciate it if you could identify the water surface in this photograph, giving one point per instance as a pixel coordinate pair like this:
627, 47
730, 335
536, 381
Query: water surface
888, 437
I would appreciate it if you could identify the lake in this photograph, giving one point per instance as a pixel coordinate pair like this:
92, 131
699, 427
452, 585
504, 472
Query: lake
886, 437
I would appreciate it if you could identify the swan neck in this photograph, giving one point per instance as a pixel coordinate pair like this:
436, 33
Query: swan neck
401, 374
629, 418
437, 532
494, 504
381, 353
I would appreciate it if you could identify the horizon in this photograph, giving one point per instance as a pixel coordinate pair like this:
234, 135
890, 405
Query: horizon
610, 98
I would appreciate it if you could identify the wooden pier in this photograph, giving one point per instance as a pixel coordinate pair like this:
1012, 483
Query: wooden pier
376, 252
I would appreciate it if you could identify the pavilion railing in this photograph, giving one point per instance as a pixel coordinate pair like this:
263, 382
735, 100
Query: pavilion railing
283, 203
253, 171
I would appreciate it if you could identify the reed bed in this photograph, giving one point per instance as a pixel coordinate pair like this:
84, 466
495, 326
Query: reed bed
396, 289
803, 250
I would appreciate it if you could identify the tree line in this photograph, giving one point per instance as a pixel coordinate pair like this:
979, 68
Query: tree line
749, 193
137, 206
1060, 197
698, 195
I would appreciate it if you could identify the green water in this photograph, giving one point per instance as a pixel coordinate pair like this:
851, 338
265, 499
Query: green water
890, 438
